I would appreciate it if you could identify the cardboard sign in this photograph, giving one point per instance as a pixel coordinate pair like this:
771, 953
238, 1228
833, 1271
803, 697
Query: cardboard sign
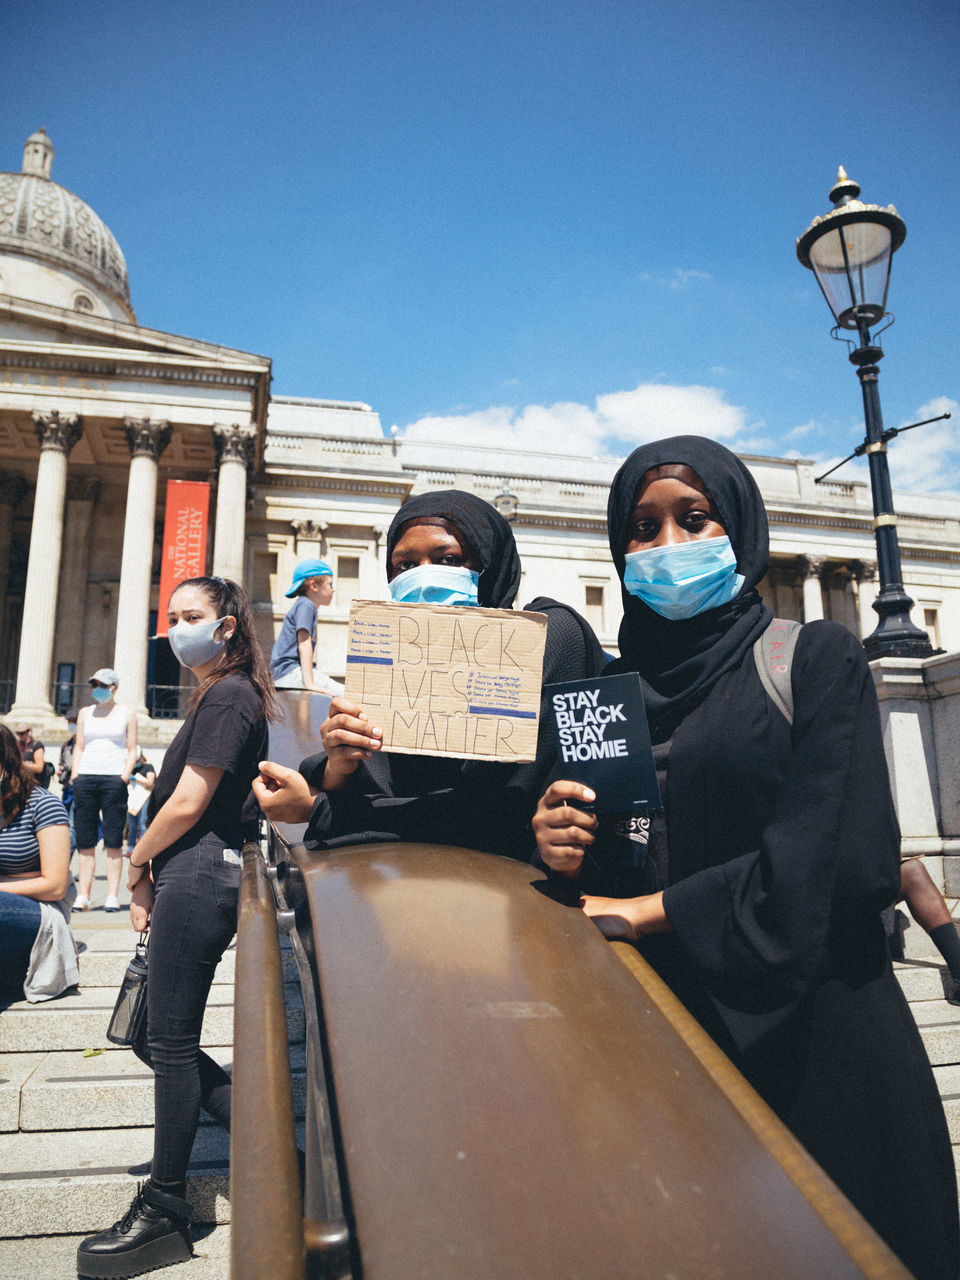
604, 741
445, 681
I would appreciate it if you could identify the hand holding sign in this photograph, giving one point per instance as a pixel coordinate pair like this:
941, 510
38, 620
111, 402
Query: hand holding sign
348, 737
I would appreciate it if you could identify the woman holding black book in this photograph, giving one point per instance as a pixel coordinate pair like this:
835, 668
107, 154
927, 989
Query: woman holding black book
757, 891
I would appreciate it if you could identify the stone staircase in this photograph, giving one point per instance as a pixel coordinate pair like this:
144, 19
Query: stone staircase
923, 977
76, 1128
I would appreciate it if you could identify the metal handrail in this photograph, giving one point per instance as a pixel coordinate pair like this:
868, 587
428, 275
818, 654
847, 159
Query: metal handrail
326, 1236
267, 1227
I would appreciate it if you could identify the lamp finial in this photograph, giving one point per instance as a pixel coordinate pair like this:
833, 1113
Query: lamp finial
844, 189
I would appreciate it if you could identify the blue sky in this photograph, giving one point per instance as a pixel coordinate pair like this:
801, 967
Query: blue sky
540, 223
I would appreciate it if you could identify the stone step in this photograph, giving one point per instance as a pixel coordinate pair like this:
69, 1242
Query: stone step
917, 943
79, 1018
922, 979
82, 1181
103, 964
939, 1024
55, 1257
59, 1091
948, 1082
103, 968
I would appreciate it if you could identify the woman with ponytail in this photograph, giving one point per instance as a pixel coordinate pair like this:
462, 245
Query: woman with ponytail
185, 879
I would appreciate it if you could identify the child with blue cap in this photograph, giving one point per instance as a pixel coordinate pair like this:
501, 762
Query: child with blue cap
291, 662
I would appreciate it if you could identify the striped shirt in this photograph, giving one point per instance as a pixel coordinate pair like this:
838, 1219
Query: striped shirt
19, 850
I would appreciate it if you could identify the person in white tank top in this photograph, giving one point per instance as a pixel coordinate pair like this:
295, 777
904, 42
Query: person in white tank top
103, 759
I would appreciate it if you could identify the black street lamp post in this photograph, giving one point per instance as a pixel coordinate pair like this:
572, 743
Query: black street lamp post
849, 250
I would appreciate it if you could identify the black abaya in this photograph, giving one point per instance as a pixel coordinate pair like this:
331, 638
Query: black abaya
781, 848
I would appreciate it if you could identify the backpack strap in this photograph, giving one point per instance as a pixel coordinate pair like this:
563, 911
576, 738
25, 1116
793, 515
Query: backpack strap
773, 653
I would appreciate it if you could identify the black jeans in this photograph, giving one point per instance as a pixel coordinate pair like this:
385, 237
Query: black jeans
194, 920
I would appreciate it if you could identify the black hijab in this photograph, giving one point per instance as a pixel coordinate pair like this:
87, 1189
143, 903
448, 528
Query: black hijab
483, 527
679, 661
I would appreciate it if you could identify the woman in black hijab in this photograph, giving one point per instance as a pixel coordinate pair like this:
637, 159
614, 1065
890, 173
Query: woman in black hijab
757, 893
358, 794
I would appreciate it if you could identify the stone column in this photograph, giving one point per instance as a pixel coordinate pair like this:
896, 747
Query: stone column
810, 568
234, 446
865, 576
12, 489
147, 440
57, 435
82, 495
840, 579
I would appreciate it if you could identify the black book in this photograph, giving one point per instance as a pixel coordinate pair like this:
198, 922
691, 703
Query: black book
603, 741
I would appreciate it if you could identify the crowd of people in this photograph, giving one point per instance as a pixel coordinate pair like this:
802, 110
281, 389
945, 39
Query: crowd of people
756, 891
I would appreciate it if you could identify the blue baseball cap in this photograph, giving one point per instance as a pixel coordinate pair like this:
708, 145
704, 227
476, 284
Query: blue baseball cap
308, 569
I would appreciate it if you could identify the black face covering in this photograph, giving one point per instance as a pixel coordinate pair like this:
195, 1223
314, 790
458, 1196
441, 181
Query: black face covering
482, 527
680, 660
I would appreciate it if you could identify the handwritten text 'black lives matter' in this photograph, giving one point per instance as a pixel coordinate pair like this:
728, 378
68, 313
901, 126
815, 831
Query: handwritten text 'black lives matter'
582, 724
446, 681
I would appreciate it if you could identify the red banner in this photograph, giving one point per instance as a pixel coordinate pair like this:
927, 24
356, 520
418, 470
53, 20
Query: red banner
184, 539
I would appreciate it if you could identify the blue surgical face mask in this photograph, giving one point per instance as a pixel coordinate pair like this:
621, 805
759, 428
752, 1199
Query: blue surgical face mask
193, 643
99, 694
435, 584
684, 578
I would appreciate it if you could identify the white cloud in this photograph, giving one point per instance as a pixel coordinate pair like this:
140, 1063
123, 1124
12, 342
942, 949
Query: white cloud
616, 422
805, 429
928, 460
682, 279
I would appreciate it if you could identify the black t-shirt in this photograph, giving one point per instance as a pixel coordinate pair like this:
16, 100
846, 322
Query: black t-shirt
226, 731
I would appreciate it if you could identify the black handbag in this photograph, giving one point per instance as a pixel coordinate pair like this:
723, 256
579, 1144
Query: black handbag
131, 1006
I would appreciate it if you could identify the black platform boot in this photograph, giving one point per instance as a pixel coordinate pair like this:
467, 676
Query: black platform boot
154, 1232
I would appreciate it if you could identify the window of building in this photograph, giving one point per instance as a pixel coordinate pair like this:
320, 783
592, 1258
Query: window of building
593, 606
931, 624
347, 580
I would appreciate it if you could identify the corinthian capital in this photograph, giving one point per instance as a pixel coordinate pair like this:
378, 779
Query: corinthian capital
56, 430
234, 443
811, 566
146, 438
864, 570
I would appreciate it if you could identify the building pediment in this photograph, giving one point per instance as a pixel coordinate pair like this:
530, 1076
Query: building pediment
106, 371
80, 327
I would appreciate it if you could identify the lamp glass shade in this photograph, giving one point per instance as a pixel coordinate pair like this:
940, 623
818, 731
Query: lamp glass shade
852, 266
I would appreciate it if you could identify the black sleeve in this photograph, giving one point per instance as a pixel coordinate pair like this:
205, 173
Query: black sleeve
829, 849
222, 726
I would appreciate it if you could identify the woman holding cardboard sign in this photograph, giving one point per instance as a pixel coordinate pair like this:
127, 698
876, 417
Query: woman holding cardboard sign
449, 548
758, 893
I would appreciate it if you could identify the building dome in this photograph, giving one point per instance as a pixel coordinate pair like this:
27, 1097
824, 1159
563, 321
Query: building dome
82, 266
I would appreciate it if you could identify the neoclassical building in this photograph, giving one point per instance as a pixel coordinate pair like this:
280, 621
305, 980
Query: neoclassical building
98, 413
